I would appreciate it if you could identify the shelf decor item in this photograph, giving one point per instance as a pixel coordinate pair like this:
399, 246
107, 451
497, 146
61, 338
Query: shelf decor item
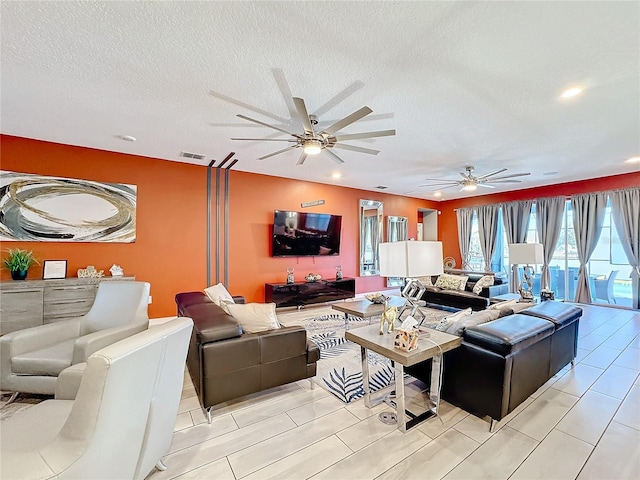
338, 272
54, 269
290, 279
313, 277
18, 262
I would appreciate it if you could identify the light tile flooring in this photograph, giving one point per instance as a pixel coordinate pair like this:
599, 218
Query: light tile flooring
584, 423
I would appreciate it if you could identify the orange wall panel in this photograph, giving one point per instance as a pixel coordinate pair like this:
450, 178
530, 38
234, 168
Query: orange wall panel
170, 248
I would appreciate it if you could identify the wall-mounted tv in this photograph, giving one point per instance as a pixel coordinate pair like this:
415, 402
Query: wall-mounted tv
298, 234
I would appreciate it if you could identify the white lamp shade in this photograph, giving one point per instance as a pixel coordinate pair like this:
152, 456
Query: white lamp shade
526, 253
410, 259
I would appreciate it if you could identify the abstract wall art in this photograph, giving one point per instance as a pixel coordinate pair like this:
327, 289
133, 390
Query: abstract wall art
55, 209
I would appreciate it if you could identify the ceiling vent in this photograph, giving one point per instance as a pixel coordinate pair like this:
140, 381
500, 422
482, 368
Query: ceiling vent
381, 187
195, 156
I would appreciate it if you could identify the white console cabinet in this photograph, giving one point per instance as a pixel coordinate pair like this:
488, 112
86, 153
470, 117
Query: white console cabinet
27, 303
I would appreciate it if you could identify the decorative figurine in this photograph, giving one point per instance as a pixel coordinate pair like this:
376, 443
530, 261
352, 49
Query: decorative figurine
338, 272
389, 316
116, 271
290, 279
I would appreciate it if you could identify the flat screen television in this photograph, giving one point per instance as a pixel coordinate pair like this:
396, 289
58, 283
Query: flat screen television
299, 234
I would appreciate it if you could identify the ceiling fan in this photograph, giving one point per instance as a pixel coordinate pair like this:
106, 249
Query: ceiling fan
313, 142
470, 182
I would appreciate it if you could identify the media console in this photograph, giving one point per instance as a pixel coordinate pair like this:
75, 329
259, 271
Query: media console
306, 293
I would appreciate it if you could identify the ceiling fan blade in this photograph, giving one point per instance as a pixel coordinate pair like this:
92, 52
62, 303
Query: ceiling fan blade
492, 173
484, 185
302, 158
333, 156
267, 139
356, 149
278, 152
358, 136
244, 117
505, 181
303, 114
513, 175
348, 120
451, 184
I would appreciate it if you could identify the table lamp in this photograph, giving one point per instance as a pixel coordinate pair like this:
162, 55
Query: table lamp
526, 254
410, 259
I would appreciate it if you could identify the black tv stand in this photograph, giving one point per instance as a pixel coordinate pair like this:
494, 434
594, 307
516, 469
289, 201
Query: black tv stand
306, 293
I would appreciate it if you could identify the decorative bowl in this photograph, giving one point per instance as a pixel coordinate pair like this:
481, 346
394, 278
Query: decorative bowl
313, 277
376, 297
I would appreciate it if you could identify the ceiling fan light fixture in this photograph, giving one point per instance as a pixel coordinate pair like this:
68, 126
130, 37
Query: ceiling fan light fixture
469, 187
312, 147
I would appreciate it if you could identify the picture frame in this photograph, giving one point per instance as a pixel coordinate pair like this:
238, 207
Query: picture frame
52, 269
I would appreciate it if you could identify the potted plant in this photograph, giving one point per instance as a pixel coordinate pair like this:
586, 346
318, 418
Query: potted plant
18, 262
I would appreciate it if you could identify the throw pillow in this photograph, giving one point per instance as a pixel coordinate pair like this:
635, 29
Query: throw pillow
449, 320
484, 281
218, 292
426, 281
451, 282
254, 317
484, 316
502, 305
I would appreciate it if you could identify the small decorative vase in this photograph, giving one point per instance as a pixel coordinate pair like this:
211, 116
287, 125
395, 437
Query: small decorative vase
339, 272
290, 279
19, 274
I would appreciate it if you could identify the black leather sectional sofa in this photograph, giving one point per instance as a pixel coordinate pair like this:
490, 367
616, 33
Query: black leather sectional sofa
226, 363
467, 298
502, 362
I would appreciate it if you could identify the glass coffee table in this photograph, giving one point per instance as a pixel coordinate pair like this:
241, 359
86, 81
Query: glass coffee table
431, 347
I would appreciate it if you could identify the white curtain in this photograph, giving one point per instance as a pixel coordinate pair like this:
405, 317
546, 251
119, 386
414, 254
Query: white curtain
488, 231
588, 217
465, 219
549, 213
625, 207
515, 216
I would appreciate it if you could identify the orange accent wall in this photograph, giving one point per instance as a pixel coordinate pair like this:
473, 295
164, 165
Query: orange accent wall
170, 248
448, 225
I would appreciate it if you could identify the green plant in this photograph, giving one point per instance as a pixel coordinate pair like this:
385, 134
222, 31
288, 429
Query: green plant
19, 260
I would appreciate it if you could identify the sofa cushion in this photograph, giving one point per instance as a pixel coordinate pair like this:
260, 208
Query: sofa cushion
484, 281
559, 313
508, 334
502, 305
255, 317
451, 282
48, 361
426, 280
210, 322
447, 321
217, 293
477, 318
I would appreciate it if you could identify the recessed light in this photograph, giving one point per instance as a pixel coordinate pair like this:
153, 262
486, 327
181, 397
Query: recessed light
572, 92
336, 175
127, 138
633, 160
437, 194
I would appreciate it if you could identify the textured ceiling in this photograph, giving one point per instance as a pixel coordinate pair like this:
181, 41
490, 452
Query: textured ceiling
463, 83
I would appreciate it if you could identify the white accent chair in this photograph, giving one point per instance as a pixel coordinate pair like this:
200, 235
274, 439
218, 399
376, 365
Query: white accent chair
31, 359
121, 422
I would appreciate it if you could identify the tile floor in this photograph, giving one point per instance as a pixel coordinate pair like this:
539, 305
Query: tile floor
583, 423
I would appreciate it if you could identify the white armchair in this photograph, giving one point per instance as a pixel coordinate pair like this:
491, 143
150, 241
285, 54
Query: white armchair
31, 359
121, 422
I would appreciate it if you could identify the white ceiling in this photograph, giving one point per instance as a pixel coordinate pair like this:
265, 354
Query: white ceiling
462, 83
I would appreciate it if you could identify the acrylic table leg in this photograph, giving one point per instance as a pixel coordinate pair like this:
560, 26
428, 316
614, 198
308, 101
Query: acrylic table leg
365, 377
436, 375
400, 407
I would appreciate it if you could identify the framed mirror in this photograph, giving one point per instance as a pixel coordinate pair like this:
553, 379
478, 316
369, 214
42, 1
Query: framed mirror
370, 219
397, 231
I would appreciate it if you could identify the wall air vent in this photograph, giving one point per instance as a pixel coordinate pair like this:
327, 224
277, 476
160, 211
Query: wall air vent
381, 187
195, 156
